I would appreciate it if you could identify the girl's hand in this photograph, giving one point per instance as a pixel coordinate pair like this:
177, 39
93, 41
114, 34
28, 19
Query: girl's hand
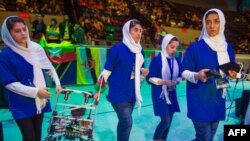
97, 96
59, 89
43, 93
144, 71
202, 76
170, 83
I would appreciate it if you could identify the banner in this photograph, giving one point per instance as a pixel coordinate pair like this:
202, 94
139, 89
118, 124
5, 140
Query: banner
60, 53
63, 57
82, 64
90, 63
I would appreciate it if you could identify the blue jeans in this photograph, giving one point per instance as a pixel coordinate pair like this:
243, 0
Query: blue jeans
124, 114
161, 131
205, 131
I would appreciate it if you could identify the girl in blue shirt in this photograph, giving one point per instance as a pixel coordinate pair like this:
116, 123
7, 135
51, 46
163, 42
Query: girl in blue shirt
22, 66
206, 103
164, 75
122, 71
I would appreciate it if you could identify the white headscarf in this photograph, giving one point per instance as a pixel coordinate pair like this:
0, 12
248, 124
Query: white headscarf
135, 48
217, 43
33, 54
165, 67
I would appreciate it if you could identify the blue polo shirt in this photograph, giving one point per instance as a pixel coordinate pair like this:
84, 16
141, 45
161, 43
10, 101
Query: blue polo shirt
159, 104
121, 61
204, 101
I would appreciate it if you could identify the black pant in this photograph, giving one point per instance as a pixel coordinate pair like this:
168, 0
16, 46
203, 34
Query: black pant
31, 128
161, 131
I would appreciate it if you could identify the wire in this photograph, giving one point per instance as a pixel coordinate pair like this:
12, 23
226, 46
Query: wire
238, 77
232, 99
231, 102
239, 74
240, 67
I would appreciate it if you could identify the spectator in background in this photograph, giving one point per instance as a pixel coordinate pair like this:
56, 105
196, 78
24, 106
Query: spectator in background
79, 34
45, 9
66, 29
89, 38
52, 32
38, 28
20, 5
58, 10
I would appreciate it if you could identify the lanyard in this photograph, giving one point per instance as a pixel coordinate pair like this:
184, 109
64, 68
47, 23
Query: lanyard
171, 66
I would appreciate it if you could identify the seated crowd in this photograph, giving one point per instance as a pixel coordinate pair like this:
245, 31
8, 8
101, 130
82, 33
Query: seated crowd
101, 21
